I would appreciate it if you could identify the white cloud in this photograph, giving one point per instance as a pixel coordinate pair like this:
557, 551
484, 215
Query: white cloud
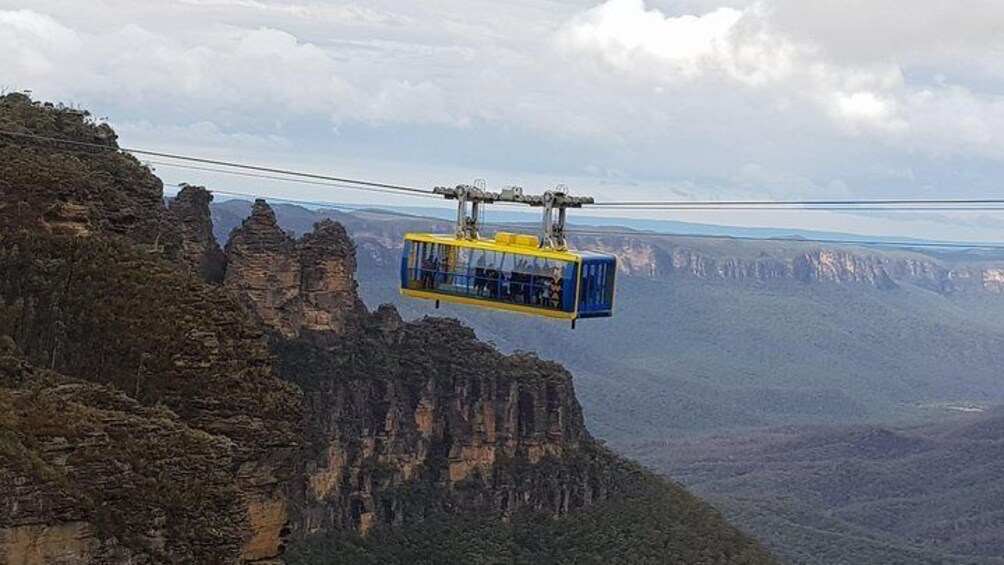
735, 96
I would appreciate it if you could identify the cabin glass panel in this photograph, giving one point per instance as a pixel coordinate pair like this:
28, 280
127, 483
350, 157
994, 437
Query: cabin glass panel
596, 294
498, 276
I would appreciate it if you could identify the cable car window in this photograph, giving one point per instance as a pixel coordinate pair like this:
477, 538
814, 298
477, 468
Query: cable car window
496, 276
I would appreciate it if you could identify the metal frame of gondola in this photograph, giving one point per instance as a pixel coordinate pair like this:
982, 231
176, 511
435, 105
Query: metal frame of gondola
554, 202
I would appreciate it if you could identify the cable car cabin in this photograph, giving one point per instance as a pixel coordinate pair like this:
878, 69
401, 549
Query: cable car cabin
510, 272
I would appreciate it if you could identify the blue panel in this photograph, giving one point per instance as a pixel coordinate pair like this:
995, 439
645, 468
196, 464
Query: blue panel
598, 273
404, 264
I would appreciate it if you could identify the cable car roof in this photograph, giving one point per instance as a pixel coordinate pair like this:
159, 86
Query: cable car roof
502, 244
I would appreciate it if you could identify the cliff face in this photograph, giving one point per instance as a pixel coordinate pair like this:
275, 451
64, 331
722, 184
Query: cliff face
807, 263
97, 295
198, 247
396, 406
106, 312
88, 474
293, 286
73, 190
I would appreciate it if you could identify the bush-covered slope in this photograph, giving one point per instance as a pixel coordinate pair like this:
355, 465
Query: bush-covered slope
856, 495
646, 521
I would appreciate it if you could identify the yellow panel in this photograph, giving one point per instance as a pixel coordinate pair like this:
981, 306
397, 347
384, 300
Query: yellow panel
489, 304
503, 238
527, 240
490, 245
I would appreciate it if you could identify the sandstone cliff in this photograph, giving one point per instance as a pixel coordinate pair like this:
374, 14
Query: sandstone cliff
293, 286
91, 288
396, 405
189, 209
67, 189
809, 263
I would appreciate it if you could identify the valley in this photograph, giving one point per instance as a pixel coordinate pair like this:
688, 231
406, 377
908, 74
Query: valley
842, 416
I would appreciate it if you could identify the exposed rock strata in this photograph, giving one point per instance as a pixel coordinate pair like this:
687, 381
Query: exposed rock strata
802, 262
199, 248
294, 286
64, 189
396, 408
89, 475
169, 340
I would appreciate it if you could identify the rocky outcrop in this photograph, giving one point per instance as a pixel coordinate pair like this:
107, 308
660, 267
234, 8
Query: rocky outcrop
294, 285
396, 408
132, 321
88, 475
66, 189
199, 249
405, 408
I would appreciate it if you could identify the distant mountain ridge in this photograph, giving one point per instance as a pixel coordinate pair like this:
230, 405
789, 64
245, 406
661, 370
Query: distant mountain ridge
666, 257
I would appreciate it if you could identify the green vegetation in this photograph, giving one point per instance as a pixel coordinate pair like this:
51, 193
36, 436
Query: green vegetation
108, 311
644, 520
929, 494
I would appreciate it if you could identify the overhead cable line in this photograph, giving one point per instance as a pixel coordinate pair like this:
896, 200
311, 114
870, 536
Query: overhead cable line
776, 239
394, 187
811, 208
640, 233
798, 239
292, 180
798, 204
311, 203
289, 175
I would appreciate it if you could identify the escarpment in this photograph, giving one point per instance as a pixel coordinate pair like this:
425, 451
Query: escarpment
397, 406
668, 258
105, 295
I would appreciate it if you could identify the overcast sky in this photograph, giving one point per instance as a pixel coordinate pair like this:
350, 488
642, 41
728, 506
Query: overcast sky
623, 99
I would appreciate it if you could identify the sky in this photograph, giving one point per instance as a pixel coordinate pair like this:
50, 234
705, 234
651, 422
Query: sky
618, 99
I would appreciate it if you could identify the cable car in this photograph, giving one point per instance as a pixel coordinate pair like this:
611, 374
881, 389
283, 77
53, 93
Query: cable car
514, 272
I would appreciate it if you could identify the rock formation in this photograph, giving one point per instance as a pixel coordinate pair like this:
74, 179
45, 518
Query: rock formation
72, 190
293, 286
92, 290
397, 404
199, 248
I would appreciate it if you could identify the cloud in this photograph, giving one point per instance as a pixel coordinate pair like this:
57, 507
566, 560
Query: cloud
739, 97
849, 63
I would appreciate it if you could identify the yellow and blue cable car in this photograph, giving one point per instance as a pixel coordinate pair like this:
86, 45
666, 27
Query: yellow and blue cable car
511, 272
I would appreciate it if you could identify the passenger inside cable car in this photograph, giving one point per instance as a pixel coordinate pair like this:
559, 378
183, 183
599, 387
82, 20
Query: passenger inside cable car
578, 285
